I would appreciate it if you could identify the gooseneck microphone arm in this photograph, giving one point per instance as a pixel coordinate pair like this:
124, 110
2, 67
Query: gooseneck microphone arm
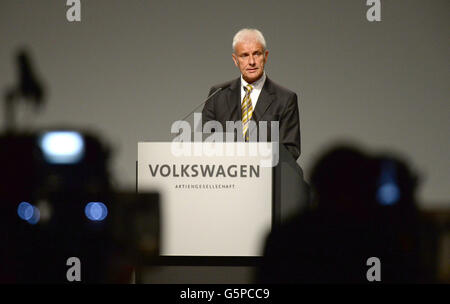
208, 98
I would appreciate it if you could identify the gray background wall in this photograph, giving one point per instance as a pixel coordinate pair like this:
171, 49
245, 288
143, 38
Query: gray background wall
130, 68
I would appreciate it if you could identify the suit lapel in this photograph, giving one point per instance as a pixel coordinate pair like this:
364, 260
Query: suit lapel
234, 100
264, 100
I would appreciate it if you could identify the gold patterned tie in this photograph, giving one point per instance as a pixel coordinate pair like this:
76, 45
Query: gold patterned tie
247, 110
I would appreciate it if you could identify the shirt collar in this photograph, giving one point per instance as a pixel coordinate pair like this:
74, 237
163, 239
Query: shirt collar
258, 84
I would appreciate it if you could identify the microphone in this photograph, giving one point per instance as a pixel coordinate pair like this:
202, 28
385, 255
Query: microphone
208, 98
221, 88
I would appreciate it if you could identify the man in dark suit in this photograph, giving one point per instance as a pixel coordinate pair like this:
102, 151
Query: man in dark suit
253, 97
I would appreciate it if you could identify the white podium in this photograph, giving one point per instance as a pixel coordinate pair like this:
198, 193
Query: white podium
216, 205
218, 200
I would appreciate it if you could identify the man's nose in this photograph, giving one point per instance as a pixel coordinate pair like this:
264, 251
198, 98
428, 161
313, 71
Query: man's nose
251, 60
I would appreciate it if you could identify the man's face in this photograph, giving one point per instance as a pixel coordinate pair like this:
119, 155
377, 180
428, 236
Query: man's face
249, 56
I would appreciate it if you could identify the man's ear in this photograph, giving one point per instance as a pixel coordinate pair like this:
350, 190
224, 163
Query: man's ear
235, 59
266, 54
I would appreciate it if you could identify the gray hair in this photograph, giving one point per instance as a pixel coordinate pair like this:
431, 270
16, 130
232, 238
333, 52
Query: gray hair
248, 34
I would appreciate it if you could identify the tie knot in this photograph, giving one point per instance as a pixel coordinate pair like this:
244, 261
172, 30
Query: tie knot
248, 88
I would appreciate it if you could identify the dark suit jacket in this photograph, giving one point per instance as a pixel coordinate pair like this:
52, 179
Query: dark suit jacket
275, 103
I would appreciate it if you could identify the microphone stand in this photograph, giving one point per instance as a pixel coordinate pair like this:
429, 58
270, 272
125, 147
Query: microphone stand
208, 98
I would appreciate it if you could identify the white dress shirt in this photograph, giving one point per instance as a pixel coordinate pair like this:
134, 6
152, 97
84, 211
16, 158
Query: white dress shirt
257, 87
